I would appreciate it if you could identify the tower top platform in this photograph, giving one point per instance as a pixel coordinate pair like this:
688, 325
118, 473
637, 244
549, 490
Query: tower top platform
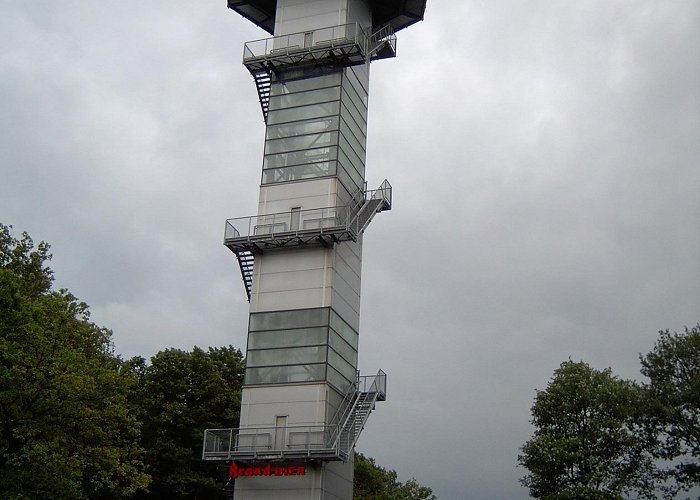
398, 14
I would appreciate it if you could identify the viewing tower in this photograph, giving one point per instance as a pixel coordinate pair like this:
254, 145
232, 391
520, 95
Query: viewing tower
303, 403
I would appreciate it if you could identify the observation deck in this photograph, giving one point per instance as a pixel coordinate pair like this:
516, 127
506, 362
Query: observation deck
347, 45
315, 442
256, 234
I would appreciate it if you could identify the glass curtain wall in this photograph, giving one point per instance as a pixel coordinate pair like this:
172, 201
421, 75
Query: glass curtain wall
316, 127
306, 345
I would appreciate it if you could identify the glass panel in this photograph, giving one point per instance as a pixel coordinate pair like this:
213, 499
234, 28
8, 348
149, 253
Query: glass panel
304, 98
355, 156
305, 84
352, 79
302, 128
345, 331
285, 374
301, 142
287, 338
303, 112
347, 166
340, 364
350, 185
279, 320
350, 113
299, 172
342, 348
349, 94
356, 145
289, 356
350, 125
353, 105
316, 155
339, 381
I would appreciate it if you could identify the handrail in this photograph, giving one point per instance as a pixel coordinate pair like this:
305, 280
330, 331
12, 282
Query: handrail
259, 440
373, 388
349, 395
351, 218
376, 39
294, 221
331, 36
332, 441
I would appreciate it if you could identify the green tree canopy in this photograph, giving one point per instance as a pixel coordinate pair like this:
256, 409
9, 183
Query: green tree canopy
77, 422
673, 369
179, 395
585, 444
66, 431
373, 482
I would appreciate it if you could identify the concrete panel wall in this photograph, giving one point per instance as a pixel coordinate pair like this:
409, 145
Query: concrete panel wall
292, 279
295, 16
346, 282
337, 480
302, 404
314, 193
307, 487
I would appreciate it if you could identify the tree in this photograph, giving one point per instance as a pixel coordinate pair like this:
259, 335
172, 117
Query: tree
65, 427
179, 395
673, 392
586, 443
373, 482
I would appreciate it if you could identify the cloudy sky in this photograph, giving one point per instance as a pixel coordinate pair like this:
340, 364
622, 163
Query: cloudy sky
545, 157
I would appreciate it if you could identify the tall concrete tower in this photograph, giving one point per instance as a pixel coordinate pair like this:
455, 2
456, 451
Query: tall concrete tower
304, 404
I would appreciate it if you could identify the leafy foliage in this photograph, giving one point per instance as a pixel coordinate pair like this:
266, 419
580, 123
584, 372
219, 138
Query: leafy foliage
673, 369
66, 429
598, 436
77, 422
585, 443
179, 395
373, 482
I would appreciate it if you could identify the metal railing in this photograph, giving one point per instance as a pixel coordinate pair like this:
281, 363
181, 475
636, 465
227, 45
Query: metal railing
384, 192
306, 440
294, 221
352, 219
383, 35
333, 36
329, 442
373, 383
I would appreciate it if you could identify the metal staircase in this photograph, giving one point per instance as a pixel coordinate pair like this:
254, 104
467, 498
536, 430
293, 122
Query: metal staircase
263, 82
364, 401
381, 44
355, 422
245, 262
378, 201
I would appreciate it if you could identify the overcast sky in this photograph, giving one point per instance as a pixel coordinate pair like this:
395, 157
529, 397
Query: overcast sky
545, 158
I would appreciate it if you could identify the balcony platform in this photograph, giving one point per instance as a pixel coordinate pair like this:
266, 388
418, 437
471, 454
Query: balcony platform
308, 443
344, 45
259, 233
248, 445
